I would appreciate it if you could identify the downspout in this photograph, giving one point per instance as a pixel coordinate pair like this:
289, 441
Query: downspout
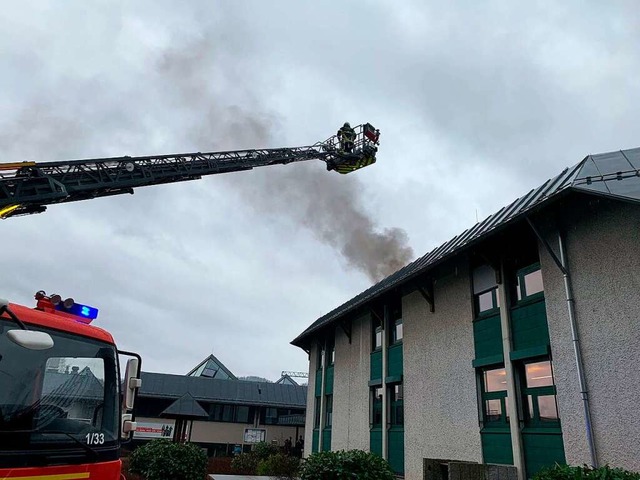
323, 362
576, 350
564, 268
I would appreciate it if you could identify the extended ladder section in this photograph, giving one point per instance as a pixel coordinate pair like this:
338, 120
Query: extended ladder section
27, 187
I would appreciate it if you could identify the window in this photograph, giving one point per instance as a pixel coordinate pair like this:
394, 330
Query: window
540, 394
376, 407
331, 348
494, 397
221, 413
396, 332
328, 409
242, 414
397, 404
377, 337
395, 315
320, 358
485, 290
529, 282
316, 417
271, 416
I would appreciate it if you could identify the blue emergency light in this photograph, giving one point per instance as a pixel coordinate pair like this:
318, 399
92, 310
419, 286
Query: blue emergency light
84, 311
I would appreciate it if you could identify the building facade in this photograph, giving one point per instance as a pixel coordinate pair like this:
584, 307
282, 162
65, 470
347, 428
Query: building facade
211, 407
515, 343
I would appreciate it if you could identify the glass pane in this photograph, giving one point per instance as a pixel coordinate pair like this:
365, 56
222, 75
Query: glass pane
397, 392
242, 414
316, 422
548, 408
533, 282
530, 401
539, 374
377, 406
484, 278
333, 356
227, 415
506, 408
495, 380
398, 331
485, 302
493, 410
378, 338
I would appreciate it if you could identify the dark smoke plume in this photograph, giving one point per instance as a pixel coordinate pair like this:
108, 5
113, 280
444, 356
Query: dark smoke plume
329, 204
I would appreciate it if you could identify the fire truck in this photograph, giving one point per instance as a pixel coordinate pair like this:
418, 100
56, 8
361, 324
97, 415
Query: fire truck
62, 416
66, 405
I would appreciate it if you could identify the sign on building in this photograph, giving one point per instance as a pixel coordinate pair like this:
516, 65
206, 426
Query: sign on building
148, 430
254, 435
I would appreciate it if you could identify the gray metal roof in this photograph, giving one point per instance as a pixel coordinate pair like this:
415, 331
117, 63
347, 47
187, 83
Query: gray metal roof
614, 175
160, 385
185, 407
80, 385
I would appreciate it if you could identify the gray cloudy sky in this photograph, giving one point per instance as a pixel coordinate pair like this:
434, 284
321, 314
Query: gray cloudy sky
477, 103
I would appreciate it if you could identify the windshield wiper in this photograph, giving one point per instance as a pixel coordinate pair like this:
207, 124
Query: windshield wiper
85, 447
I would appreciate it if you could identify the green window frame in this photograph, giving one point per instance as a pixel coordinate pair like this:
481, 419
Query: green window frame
328, 411
495, 401
396, 331
396, 404
376, 336
331, 349
485, 291
539, 394
529, 285
316, 416
376, 406
486, 297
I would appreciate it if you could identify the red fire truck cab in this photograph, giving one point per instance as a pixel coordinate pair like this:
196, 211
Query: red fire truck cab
64, 410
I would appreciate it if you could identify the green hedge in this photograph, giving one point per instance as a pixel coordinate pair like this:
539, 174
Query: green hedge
279, 465
162, 459
565, 472
346, 464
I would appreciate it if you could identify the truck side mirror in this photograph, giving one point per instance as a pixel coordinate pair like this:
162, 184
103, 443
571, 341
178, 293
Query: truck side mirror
131, 382
31, 339
128, 426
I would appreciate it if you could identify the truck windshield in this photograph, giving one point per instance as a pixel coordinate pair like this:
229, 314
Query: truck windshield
53, 399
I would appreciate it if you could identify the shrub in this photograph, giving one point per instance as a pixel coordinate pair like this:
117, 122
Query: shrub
245, 463
566, 472
279, 465
264, 450
163, 459
346, 464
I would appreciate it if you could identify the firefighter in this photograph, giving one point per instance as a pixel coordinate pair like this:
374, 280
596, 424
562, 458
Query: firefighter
347, 138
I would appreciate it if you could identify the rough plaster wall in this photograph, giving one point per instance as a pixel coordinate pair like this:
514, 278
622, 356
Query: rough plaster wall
218, 432
308, 431
603, 251
441, 413
223, 432
351, 388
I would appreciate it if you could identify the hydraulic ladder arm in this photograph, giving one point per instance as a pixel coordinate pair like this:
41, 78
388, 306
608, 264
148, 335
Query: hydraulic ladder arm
28, 187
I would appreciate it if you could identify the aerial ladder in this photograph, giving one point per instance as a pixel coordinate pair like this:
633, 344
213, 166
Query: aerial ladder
28, 187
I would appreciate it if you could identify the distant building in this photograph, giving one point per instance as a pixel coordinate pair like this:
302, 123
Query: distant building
468, 354
222, 410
